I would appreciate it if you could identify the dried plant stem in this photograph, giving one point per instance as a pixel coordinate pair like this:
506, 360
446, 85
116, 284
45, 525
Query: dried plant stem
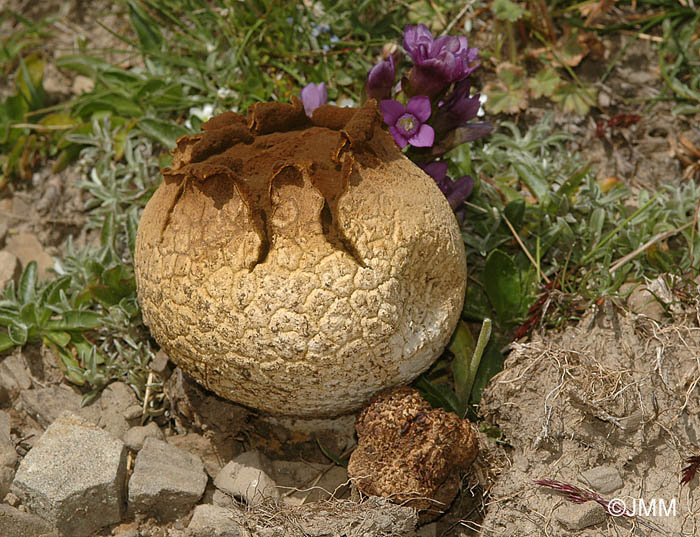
524, 248
656, 238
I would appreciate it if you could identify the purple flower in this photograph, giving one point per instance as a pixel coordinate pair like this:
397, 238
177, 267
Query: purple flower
457, 191
381, 79
458, 109
313, 96
407, 125
437, 62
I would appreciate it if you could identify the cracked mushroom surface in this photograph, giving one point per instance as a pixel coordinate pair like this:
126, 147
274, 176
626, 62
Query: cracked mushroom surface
299, 266
411, 453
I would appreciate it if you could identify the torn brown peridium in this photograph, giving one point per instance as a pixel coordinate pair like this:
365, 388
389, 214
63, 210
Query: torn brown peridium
243, 157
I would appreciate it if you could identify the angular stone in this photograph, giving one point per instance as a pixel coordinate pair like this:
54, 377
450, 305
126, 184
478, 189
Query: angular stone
166, 482
575, 516
603, 479
74, 477
46, 404
136, 436
15, 523
27, 248
202, 447
8, 455
212, 521
245, 477
113, 404
10, 268
14, 377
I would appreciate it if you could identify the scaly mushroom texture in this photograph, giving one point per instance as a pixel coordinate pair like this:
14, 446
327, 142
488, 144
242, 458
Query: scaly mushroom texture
299, 266
411, 453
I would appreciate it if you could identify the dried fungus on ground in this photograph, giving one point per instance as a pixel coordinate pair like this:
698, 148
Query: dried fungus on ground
299, 266
411, 453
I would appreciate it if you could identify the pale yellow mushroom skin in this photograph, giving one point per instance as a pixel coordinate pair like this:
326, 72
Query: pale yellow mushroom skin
299, 270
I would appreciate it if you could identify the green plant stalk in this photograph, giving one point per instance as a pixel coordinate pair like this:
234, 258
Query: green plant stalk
614, 232
484, 336
510, 30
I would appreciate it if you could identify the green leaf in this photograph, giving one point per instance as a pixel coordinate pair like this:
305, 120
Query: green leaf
515, 213
503, 285
491, 363
59, 338
544, 83
75, 321
439, 396
536, 183
81, 63
164, 132
107, 234
6, 342
574, 99
18, 333
27, 283
462, 346
29, 80
506, 10
146, 28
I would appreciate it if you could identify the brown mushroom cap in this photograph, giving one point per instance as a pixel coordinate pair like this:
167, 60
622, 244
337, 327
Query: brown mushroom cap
410, 452
299, 266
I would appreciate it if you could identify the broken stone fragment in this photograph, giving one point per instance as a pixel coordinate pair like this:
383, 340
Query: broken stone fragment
166, 482
74, 477
410, 452
212, 521
8, 455
136, 436
248, 477
579, 516
15, 523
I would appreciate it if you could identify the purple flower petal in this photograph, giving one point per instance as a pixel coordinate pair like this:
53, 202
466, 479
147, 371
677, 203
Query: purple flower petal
381, 79
424, 137
392, 110
437, 62
436, 170
460, 190
415, 37
398, 137
419, 106
313, 96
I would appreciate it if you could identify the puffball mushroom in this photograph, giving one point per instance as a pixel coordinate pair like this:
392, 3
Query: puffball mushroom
299, 266
411, 453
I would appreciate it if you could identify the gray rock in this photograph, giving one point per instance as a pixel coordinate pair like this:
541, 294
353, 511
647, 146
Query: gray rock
14, 377
579, 516
5, 427
15, 523
26, 247
74, 477
46, 404
603, 479
245, 477
10, 268
133, 413
113, 404
202, 447
8, 455
135, 437
212, 521
221, 499
167, 481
